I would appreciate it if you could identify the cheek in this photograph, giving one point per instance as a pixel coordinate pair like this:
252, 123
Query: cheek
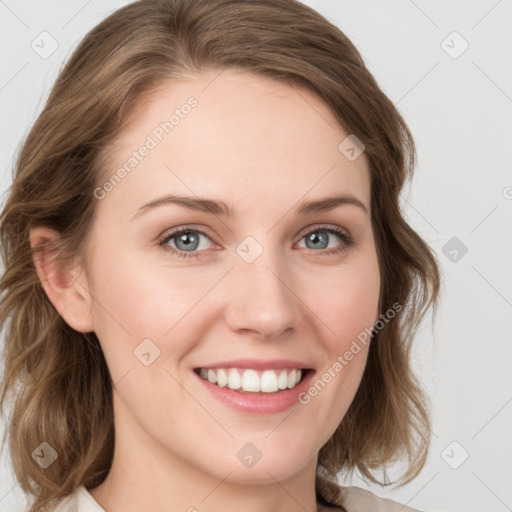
139, 292
334, 386
137, 301
347, 301
347, 305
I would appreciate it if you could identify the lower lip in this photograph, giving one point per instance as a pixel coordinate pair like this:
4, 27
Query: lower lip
258, 403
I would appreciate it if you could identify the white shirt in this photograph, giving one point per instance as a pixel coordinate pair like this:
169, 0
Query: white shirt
355, 499
80, 501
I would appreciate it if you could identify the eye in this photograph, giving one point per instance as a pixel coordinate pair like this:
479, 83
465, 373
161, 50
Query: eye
321, 237
192, 243
187, 242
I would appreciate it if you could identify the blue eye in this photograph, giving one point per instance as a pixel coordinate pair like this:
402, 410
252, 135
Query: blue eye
186, 242
319, 238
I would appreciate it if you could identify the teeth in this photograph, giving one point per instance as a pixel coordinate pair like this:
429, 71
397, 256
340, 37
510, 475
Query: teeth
222, 378
212, 376
250, 381
291, 379
282, 380
269, 381
266, 381
234, 379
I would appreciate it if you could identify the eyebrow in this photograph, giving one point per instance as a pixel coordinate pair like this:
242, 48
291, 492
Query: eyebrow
218, 207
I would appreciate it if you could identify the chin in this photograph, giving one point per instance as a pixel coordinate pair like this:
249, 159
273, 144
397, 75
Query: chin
250, 465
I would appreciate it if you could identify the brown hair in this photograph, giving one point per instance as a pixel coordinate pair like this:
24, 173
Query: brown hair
58, 377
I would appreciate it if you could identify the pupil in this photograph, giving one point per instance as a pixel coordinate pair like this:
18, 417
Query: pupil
189, 245
315, 238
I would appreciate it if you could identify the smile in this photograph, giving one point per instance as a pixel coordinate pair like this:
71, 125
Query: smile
251, 380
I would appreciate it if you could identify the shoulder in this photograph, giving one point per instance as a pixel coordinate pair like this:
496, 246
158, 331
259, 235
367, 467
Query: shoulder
352, 499
355, 499
68, 504
79, 501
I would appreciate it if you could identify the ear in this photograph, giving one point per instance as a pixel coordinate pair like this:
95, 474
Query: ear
66, 288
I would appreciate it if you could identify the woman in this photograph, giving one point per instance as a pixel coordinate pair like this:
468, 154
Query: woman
210, 291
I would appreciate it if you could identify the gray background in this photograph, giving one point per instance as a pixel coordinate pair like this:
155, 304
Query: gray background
459, 108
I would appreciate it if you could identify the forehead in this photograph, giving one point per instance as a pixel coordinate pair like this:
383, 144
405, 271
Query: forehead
220, 132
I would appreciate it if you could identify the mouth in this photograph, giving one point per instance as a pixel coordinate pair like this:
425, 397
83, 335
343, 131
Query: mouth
255, 381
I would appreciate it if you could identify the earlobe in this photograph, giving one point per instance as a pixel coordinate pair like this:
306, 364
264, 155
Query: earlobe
66, 288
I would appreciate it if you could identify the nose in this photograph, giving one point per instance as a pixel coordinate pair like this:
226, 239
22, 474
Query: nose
260, 299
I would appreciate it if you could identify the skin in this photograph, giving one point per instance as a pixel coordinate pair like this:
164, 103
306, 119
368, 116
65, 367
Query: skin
264, 148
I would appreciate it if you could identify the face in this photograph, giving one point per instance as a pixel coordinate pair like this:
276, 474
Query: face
180, 286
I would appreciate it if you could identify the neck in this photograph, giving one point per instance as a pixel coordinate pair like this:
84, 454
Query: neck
144, 476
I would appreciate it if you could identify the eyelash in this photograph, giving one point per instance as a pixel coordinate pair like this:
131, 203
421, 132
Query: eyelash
347, 241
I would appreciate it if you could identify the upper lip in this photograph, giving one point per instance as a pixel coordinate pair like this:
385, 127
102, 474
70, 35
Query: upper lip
258, 364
